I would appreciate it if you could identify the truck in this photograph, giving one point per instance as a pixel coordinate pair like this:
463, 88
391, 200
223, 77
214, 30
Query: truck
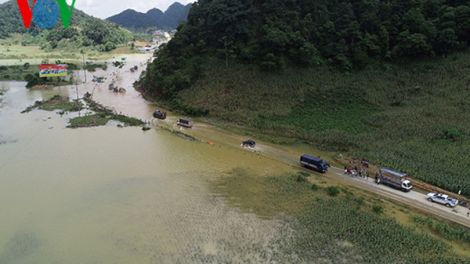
313, 163
395, 179
186, 122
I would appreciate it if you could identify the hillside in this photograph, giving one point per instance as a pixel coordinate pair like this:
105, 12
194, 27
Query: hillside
169, 19
171, 15
155, 13
384, 80
83, 31
184, 13
133, 20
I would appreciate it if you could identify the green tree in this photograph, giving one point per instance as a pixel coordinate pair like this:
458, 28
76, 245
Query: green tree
109, 46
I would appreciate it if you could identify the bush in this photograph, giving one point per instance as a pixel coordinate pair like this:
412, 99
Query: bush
315, 187
332, 190
452, 133
110, 46
300, 178
377, 209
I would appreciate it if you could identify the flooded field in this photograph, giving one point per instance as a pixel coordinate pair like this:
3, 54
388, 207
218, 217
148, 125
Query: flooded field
121, 195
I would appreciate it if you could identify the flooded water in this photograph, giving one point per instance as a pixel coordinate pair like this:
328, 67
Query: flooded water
123, 195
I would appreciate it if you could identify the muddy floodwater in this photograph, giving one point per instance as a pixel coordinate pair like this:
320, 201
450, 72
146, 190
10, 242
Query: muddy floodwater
122, 195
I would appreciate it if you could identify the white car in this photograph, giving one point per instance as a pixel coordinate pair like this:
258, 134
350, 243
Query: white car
442, 199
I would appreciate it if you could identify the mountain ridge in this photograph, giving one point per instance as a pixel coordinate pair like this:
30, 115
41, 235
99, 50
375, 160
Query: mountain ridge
134, 20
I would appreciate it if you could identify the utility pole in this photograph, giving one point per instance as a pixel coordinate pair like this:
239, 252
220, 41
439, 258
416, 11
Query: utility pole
78, 101
84, 71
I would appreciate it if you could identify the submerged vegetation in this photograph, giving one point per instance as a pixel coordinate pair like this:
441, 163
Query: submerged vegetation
100, 117
330, 229
54, 103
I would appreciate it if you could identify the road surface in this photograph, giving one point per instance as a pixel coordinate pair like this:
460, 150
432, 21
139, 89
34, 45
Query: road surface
414, 199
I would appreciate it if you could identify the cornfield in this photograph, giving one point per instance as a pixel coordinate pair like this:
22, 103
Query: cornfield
326, 229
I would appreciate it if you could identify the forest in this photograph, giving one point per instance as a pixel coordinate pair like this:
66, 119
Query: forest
347, 35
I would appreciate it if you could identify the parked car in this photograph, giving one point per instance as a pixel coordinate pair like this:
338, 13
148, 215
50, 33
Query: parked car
463, 203
442, 199
249, 143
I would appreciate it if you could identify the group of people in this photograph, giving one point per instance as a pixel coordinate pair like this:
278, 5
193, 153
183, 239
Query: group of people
355, 171
363, 162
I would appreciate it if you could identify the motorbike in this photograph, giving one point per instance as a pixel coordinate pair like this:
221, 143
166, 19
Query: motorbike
463, 203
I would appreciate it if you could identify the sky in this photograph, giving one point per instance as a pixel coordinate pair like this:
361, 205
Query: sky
106, 8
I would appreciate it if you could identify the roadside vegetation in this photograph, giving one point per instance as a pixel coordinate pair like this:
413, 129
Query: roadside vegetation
449, 231
331, 224
408, 117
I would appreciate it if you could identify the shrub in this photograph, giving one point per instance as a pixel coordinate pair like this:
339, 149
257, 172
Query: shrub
300, 178
377, 209
452, 133
332, 190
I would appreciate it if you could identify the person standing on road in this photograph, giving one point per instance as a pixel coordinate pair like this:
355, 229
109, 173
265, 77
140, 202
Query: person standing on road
468, 212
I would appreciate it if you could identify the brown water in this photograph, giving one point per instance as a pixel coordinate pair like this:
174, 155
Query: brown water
123, 195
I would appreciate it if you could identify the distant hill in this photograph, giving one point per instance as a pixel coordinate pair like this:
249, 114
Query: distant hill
155, 13
169, 19
172, 14
184, 13
134, 20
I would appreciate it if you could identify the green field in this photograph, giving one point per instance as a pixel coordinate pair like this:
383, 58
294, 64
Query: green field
335, 225
409, 117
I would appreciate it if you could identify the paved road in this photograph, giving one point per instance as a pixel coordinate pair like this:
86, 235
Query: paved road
414, 199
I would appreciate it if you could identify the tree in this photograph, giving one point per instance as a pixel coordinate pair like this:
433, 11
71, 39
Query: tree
109, 46
96, 32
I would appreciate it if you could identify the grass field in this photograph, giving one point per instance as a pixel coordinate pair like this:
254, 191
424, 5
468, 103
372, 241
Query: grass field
336, 225
410, 117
